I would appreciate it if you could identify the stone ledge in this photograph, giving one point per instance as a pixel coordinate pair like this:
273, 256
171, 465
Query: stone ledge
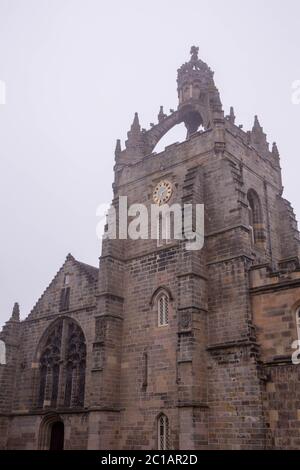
193, 405
289, 284
234, 344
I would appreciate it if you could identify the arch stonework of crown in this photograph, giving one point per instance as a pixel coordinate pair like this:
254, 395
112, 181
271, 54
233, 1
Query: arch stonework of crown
199, 106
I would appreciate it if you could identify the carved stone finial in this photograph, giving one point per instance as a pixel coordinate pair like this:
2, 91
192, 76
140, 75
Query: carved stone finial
135, 136
161, 115
16, 312
257, 123
118, 149
275, 150
136, 123
258, 137
232, 115
194, 53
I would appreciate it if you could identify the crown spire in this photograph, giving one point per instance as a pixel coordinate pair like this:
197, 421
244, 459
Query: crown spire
70, 257
199, 100
194, 53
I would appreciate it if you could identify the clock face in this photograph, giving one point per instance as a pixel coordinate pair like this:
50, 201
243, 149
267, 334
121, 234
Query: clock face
162, 193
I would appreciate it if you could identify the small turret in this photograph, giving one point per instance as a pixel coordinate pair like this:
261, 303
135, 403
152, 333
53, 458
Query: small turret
135, 140
256, 126
10, 331
136, 128
9, 356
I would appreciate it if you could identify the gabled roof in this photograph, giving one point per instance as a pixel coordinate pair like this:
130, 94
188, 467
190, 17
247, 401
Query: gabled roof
90, 272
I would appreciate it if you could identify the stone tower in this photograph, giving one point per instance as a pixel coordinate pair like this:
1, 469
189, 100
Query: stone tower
181, 349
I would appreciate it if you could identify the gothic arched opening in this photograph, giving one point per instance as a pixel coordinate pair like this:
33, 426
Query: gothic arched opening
57, 436
52, 433
176, 134
62, 364
256, 223
163, 433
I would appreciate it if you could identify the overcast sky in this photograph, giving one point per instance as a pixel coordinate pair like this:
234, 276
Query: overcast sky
75, 73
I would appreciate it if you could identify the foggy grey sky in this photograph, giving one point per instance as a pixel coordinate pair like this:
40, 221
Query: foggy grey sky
77, 70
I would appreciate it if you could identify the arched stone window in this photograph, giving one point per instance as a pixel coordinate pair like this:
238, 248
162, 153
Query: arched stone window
160, 304
163, 433
2, 353
256, 224
163, 309
62, 363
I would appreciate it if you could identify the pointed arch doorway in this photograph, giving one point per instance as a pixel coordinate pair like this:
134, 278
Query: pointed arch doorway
57, 436
52, 433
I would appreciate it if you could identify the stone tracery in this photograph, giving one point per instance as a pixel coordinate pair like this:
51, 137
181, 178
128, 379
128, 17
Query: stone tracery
62, 366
